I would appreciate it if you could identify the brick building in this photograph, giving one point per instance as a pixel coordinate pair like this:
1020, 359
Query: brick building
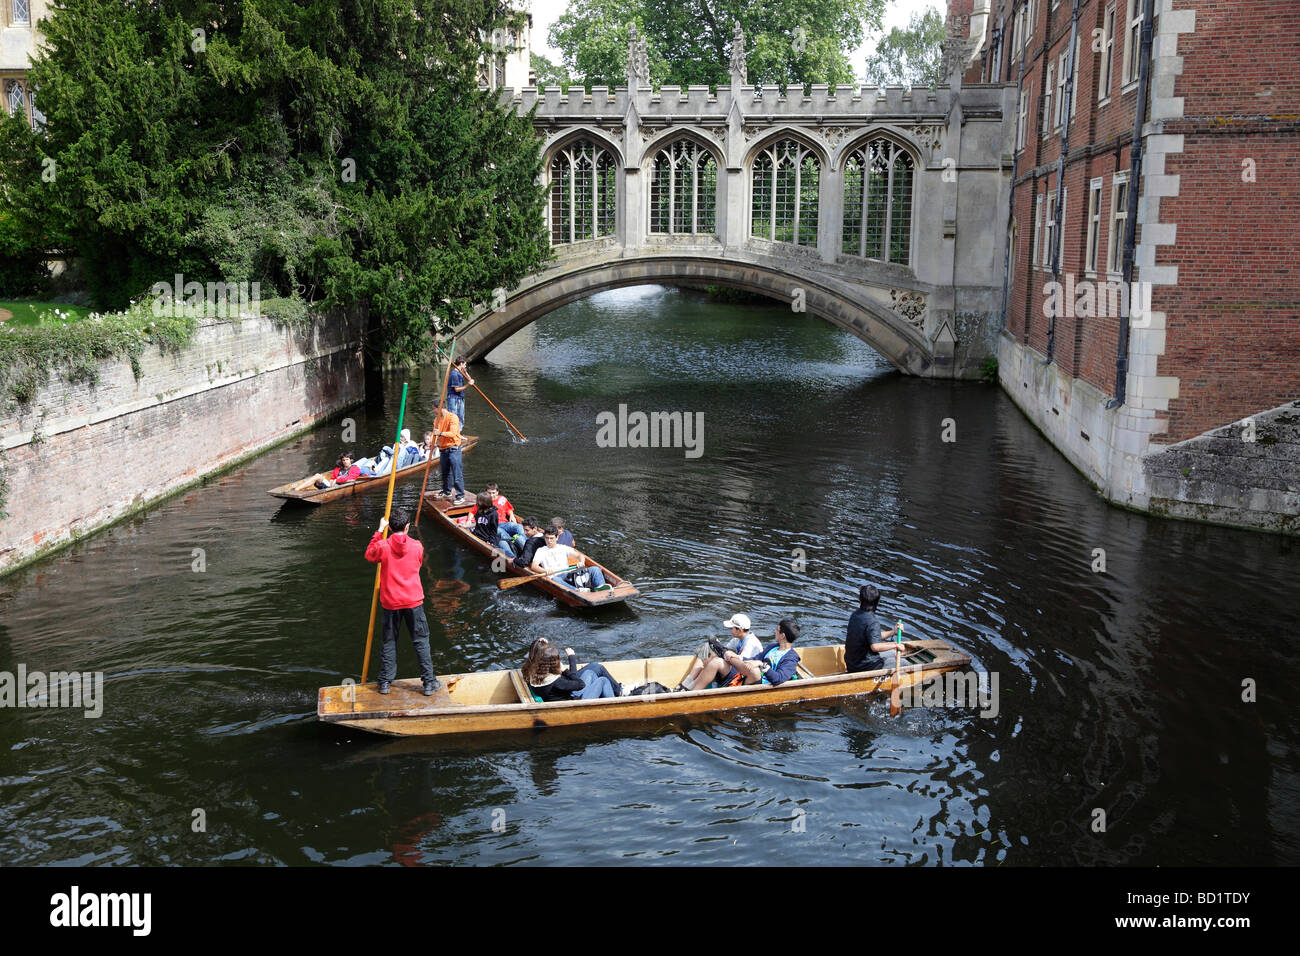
1210, 218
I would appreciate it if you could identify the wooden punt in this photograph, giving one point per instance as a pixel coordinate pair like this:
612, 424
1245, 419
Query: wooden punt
303, 491
494, 701
447, 516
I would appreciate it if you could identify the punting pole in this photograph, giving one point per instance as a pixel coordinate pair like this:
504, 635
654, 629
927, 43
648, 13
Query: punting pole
498, 411
428, 462
392, 480
896, 693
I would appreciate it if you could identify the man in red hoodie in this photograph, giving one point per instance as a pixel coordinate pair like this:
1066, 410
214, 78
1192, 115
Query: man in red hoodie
402, 597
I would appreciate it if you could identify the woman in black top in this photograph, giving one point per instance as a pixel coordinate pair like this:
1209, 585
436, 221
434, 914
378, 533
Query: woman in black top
485, 519
547, 678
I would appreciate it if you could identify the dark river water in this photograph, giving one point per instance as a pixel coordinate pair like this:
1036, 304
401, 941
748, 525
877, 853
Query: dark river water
1119, 691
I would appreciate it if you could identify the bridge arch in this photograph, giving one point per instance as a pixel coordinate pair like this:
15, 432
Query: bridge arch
901, 344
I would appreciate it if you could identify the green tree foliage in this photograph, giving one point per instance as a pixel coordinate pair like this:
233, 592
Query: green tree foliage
911, 55
689, 41
336, 150
548, 74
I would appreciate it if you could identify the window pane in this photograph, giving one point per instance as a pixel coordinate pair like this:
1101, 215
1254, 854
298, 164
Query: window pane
785, 182
900, 226
561, 195
608, 192
783, 210
660, 192
877, 202
760, 213
685, 155
708, 192
808, 185
584, 197
14, 98
853, 173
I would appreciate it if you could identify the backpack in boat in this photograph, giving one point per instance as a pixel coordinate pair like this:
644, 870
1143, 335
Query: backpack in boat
578, 578
645, 690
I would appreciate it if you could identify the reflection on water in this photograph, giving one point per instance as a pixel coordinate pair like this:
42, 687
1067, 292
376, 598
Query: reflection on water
822, 468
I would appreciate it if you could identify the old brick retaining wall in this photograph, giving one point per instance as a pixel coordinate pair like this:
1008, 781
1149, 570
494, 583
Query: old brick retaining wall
72, 460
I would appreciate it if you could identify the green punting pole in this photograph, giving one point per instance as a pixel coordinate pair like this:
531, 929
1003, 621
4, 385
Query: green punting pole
392, 481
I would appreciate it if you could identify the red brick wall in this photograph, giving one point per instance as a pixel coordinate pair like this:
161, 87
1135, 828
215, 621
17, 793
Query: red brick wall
1233, 334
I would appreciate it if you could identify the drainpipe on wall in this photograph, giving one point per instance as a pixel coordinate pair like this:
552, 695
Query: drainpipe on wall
1058, 234
1130, 224
1015, 165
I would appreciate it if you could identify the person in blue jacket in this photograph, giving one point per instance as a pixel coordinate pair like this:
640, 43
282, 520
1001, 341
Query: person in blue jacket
778, 661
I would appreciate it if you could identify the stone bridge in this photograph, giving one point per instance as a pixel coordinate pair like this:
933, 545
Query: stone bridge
882, 211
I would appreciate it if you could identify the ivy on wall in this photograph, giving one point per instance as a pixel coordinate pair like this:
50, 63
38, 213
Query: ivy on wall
29, 354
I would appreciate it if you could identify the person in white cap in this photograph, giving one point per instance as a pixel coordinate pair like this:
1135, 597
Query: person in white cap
743, 641
410, 453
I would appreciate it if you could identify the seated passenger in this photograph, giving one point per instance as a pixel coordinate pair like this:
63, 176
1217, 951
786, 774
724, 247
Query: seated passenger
485, 520
508, 526
777, 663
553, 556
549, 680
533, 539
384, 460
566, 537
715, 668
345, 471
409, 453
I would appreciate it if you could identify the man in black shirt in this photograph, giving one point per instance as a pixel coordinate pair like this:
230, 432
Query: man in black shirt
861, 645
535, 540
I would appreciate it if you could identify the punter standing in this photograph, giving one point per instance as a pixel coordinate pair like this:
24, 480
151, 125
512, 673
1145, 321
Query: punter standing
457, 381
446, 429
402, 597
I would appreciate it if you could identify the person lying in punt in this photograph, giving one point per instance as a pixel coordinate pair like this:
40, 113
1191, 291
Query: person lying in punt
344, 470
550, 681
350, 468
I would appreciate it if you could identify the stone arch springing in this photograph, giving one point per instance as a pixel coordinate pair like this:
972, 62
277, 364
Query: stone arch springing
879, 185
683, 188
785, 182
583, 175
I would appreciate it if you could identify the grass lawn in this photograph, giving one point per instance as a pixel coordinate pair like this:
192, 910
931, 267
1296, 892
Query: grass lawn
40, 313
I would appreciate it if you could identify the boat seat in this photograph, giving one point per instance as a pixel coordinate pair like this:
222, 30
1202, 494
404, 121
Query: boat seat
526, 693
